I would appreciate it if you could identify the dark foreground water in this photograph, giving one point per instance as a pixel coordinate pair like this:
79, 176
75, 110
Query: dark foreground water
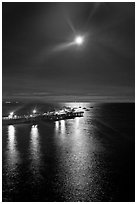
82, 159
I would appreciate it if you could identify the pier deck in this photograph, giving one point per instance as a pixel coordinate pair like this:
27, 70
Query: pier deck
36, 118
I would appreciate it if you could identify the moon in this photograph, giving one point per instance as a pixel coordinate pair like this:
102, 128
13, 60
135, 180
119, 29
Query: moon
79, 40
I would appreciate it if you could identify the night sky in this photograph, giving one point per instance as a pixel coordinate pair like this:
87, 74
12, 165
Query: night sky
33, 67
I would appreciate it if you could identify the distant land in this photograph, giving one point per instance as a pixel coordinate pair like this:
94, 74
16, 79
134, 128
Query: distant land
69, 98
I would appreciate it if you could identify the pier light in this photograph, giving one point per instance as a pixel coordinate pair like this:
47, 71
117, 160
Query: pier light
11, 115
34, 111
15, 116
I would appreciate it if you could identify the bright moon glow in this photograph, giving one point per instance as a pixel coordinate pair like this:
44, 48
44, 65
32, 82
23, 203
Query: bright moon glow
79, 40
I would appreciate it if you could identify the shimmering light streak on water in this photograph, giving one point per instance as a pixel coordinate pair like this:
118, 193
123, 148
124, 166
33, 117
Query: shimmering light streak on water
76, 158
10, 168
12, 152
78, 162
35, 150
57, 126
62, 127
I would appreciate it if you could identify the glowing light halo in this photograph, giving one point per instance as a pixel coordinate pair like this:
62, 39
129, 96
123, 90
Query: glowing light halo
11, 115
34, 111
79, 40
76, 40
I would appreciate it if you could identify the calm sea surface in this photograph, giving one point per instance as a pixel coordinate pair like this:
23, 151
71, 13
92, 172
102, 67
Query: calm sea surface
83, 159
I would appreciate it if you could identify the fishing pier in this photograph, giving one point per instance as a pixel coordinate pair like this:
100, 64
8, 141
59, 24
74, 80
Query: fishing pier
36, 118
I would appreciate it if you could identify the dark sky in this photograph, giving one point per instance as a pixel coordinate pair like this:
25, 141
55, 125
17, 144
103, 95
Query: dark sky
102, 68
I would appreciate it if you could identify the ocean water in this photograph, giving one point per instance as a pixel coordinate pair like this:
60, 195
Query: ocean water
91, 158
